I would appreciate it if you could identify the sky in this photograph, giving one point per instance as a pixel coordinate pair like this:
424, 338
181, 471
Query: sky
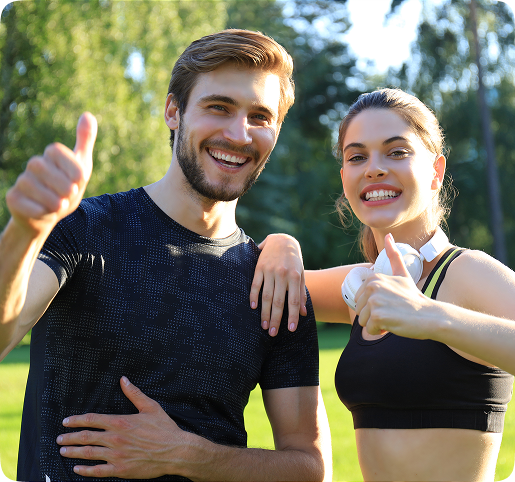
385, 43
377, 43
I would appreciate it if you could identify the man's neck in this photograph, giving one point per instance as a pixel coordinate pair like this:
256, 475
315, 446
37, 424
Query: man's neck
204, 217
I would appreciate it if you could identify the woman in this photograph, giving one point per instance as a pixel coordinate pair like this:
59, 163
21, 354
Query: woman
419, 373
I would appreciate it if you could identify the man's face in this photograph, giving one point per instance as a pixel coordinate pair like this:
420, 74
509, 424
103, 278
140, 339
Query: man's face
228, 131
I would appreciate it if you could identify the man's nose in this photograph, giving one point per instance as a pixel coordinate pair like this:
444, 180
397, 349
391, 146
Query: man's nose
237, 131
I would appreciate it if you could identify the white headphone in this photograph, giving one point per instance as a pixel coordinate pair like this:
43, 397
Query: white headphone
413, 260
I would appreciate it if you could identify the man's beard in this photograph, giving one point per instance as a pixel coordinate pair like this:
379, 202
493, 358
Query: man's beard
192, 170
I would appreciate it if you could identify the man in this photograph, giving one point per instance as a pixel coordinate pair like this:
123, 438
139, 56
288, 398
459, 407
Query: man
152, 286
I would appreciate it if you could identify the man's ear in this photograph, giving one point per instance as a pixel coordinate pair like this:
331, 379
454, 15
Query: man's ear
172, 116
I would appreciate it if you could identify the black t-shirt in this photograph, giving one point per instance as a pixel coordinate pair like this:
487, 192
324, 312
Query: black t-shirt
142, 296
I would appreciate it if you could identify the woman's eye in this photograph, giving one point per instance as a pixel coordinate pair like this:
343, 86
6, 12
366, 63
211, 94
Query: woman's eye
356, 158
399, 153
217, 107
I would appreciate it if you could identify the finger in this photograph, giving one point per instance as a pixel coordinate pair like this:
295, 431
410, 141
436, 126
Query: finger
304, 296
103, 470
85, 453
46, 175
88, 420
255, 288
30, 189
395, 257
280, 288
267, 295
296, 290
137, 397
261, 245
87, 128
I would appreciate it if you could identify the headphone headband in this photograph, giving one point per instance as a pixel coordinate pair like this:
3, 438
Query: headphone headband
435, 245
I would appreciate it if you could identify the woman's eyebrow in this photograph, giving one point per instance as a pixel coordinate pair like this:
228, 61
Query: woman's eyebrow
354, 144
395, 139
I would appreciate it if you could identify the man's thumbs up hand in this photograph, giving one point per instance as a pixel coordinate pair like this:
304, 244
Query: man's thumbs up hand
52, 185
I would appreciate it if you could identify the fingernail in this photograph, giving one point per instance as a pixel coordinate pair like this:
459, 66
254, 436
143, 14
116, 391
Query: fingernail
273, 331
264, 324
59, 439
66, 421
253, 305
292, 326
125, 381
62, 451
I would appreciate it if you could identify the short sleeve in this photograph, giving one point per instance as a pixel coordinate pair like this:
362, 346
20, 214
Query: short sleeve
63, 249
293, 357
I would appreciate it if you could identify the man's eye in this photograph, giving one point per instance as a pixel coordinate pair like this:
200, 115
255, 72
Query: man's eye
217, 107
261, 117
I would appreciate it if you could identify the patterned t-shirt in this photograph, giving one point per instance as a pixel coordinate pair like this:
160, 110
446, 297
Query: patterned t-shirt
142, 296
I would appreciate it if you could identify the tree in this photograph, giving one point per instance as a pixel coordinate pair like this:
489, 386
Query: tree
443, 73
60, 58
297, 190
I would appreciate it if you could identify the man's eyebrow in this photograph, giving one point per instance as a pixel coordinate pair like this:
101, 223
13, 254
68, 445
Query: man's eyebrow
218, 98
359, 145
231, 101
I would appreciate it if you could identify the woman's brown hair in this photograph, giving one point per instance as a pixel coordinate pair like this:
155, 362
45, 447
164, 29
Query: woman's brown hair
422, 121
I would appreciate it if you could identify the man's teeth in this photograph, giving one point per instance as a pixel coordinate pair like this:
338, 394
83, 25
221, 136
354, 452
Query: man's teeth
228, 158
380, 195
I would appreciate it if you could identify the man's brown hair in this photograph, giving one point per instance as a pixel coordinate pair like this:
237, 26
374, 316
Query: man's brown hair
245, 48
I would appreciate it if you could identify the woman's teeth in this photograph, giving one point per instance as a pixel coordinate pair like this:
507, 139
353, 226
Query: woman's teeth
380, 195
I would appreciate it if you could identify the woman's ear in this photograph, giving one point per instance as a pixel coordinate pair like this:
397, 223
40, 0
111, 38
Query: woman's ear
172, 116
343, 185
439, 167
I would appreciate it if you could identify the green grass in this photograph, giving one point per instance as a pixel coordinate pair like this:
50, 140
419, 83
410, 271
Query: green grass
13, 376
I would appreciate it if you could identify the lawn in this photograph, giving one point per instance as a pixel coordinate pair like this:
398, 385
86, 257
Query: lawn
13, 375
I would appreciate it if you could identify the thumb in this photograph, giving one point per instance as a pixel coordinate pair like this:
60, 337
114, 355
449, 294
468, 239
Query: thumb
137, 397
395, 257
86, 135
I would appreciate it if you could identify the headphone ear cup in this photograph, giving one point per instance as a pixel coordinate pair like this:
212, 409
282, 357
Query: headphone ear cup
352, 283
411, 257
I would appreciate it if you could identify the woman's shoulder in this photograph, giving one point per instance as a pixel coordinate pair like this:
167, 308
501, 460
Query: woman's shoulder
475, 262
477, 281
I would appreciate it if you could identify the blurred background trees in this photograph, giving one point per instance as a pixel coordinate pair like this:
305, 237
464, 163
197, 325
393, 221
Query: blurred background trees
61, 57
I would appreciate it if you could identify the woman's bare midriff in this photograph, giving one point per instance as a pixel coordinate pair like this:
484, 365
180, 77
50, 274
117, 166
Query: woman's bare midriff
428, 455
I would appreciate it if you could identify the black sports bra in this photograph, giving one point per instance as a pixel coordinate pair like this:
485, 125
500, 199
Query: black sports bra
396, 382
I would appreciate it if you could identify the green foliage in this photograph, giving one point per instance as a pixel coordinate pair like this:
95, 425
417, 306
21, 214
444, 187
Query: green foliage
60, 58
297, 190
443, 74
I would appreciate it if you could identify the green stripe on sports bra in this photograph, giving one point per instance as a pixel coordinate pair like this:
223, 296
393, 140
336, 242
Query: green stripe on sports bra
429, 290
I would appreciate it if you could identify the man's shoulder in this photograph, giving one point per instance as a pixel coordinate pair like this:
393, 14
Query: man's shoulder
109, 202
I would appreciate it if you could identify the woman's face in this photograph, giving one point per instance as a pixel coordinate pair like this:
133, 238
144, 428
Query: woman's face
389, 177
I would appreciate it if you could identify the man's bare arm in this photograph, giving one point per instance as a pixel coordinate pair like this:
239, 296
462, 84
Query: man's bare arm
50, 188
150, 444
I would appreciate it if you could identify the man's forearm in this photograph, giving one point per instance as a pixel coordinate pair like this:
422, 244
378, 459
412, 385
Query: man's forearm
207, 461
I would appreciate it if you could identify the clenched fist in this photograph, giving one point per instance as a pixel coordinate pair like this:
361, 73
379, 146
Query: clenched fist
52, 185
